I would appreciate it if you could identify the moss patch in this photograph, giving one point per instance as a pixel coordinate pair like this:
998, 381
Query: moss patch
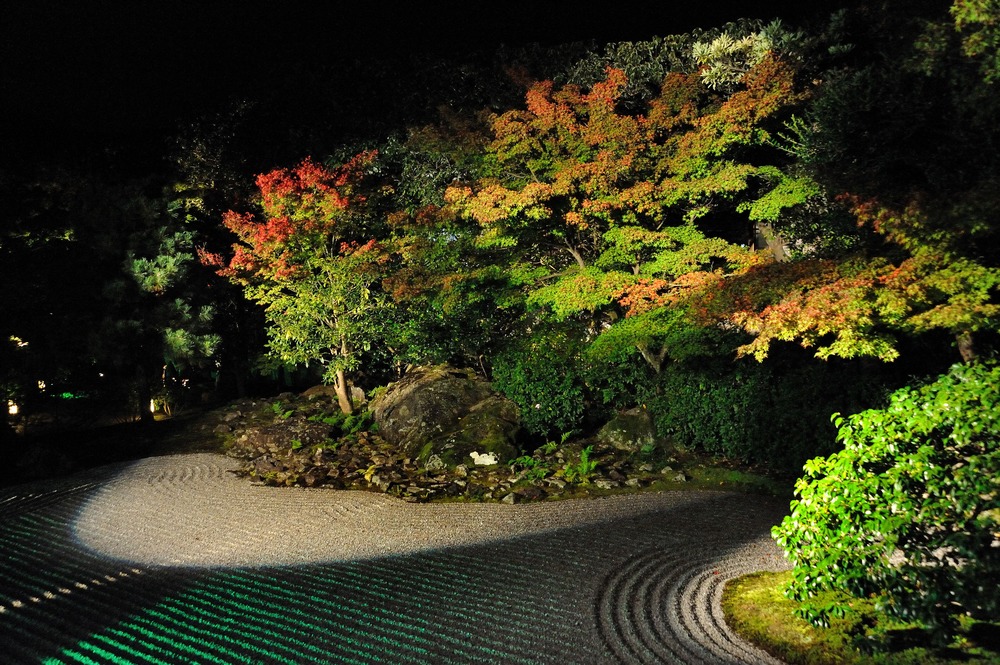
755, 607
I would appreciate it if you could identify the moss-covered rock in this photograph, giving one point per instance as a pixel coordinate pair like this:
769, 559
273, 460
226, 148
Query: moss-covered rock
446, 412
490, 427
629, 431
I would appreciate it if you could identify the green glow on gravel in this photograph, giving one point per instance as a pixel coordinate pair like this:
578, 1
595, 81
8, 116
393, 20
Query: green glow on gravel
358, 616
176, 640
244, 617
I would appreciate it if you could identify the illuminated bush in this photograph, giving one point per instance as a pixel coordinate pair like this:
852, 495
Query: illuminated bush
909, 511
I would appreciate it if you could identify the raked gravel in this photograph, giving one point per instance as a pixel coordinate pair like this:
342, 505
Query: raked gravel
622, 579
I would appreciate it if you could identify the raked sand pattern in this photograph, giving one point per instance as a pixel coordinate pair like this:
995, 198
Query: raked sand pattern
176, 560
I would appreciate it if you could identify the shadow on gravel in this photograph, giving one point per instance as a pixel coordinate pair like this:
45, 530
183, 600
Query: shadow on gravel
572, 595
59, 452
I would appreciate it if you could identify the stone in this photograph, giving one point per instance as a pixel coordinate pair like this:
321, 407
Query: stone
358, 397
604, 484
491, 425
629, 431
531, 493
434, 464
320, 391
281, 435
509, 499
680, 478
266, 464
446, 411
483, 459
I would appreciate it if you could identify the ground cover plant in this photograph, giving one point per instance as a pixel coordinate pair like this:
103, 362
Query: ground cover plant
757, 608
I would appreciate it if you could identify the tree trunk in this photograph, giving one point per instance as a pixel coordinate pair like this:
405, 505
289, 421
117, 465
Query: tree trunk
340, 381
655, 360
765, 237
343, 392
576, 256
966, 347
144, 392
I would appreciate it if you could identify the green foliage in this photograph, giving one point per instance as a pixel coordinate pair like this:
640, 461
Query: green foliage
530, 468
979, 23
777, 413
281, 412
345, 424
334, 419
452, 299
313, 264
756, 607
616, 385
909, 510
902, 131
542, 376
607, 203
581, 471
360, 421
647, 63
725, 59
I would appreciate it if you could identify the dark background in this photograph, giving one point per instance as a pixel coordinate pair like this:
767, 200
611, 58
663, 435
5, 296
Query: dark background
83, 74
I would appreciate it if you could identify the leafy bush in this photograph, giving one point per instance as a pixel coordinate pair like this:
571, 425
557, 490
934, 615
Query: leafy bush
541, 375
345, 424
582, 470
617, 384
776, 412
909, 510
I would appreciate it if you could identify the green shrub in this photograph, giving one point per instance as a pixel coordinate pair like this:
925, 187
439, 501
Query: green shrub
909, 511
542, 376
344, 424
617, 384
581, 471
777, 412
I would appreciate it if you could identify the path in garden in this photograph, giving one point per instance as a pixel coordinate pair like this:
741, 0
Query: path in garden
176, 560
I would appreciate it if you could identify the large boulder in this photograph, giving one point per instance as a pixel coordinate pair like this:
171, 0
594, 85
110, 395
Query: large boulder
489, 430
447, 412
629, 431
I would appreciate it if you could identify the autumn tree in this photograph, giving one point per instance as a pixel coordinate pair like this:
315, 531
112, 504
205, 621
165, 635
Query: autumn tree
905, 514
978, 22
312, 261
451, 298
600, 209
900, 149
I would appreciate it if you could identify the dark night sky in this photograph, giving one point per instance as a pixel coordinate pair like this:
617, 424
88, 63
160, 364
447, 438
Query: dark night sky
114, 70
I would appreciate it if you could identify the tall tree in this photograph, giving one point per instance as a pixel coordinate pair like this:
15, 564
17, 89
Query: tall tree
596, 204
312, 260
906, 145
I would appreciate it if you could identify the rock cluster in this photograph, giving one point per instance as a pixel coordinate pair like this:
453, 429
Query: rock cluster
295, 441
